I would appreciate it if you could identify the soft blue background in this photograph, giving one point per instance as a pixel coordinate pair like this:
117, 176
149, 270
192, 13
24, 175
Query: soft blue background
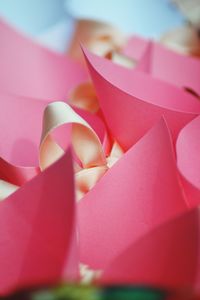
149, 18
51, 22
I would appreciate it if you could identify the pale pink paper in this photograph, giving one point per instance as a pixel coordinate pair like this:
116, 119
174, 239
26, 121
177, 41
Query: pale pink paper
28, 69
135, 47
133, 101
36, 230
162, 63
138, 193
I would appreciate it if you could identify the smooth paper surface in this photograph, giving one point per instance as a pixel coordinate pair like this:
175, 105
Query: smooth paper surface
141, 191
36, 229
132, 101
166, 257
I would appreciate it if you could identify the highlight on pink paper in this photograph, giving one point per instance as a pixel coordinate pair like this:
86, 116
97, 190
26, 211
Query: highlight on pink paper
166, 257
141, 191
28, 69
130, 110
37, 226
188, 146
188, 160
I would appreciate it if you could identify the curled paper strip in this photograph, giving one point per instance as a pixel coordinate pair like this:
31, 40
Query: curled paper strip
87, 146
86, 143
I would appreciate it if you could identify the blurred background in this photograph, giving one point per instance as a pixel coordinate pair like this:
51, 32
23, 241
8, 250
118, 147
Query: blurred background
52, 23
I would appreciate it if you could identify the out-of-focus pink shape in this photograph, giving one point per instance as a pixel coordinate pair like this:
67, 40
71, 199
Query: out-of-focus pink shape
133, 101
188, 160
139, 192
36, 230
21, 123
135, 47
28, 69
167, 65
166, 257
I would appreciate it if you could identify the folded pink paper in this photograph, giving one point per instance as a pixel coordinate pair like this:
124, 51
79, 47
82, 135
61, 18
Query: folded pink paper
37, 229
132, 102
28, 69
167, 257
138, 193
162, 63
